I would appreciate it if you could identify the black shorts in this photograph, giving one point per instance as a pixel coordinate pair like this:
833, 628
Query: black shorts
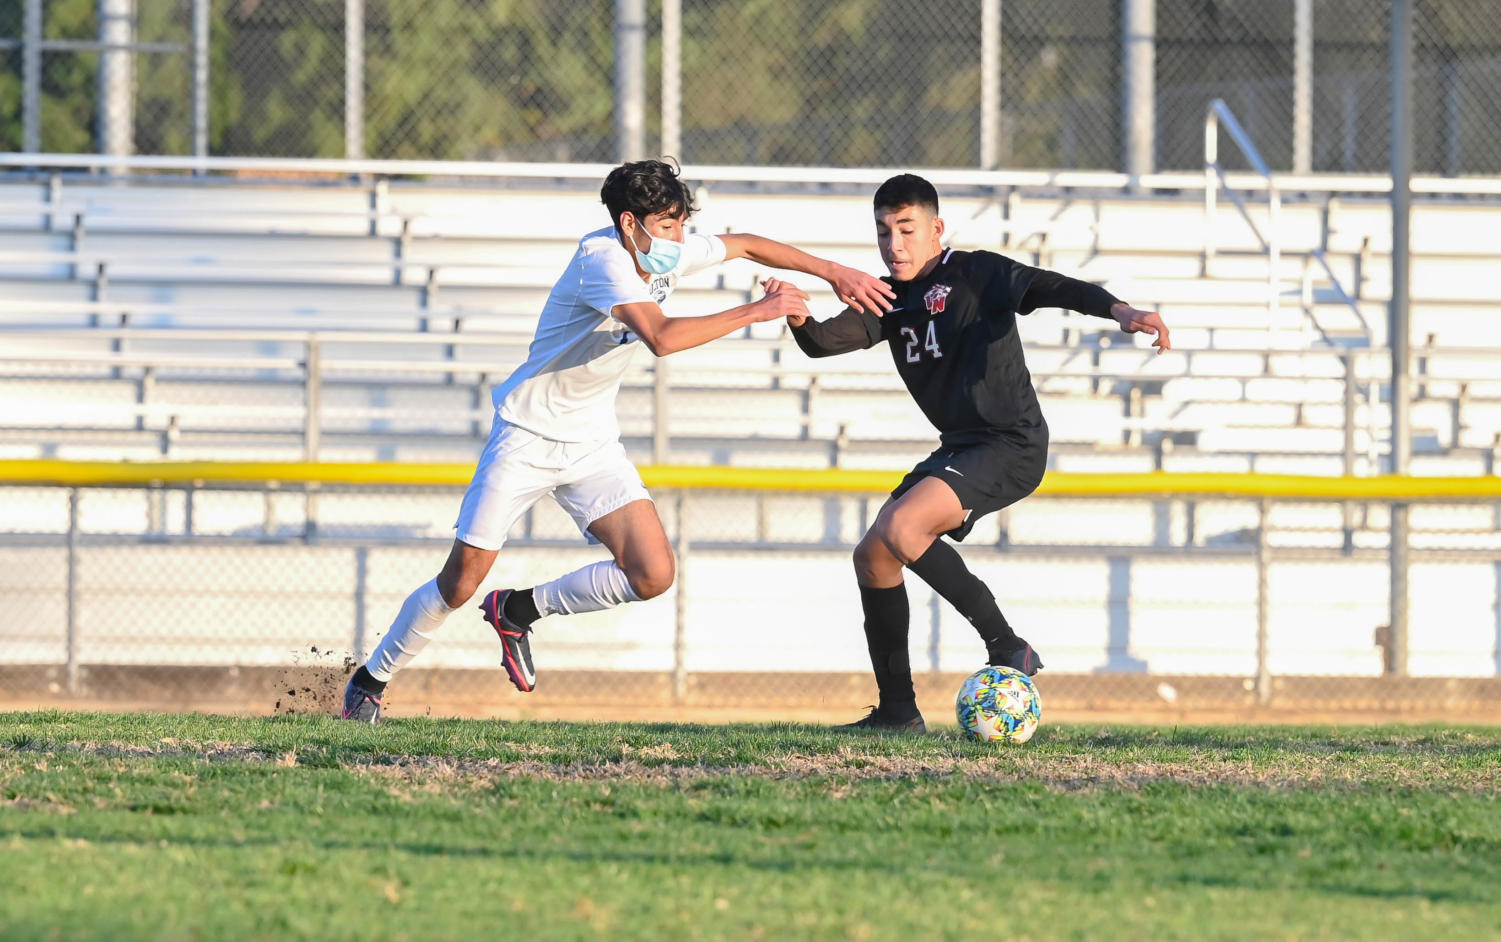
987, 476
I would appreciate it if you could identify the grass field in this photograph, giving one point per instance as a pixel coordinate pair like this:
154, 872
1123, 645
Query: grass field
194, 827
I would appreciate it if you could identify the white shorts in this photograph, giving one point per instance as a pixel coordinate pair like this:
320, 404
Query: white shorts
519, 468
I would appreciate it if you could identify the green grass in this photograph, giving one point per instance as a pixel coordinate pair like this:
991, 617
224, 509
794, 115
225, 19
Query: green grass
193, 827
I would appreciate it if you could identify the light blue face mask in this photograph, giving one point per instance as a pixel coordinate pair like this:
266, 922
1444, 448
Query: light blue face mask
661, 257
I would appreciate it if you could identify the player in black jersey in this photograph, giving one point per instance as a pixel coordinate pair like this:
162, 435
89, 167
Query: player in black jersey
952, 334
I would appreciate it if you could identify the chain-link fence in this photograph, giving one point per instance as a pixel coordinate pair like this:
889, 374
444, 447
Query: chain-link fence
959, 83
251, 597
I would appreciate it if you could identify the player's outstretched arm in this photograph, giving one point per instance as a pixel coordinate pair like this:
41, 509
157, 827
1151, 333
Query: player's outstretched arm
1041, 288
845, 332
853, 287
664, 335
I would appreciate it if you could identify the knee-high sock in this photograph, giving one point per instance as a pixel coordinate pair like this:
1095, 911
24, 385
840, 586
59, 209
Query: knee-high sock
590, 589
886, 617
421, 614
943, 568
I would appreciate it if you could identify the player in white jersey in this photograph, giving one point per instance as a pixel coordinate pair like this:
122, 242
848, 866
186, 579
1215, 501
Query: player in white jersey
555, 431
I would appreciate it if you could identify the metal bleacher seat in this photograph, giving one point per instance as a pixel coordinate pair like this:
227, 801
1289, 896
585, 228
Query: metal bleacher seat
464, 270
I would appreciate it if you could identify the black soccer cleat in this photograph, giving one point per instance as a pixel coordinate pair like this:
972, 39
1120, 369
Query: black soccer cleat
515, 642
360, 704
875, 719
1024, 659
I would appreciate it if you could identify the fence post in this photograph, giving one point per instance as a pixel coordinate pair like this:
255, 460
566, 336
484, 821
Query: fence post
311, 429
1347, 511
659, 433
31, 78
672, 78
990, 84
935, 631
354, 79
72, 604
1138, 93
680, 625
200, 77
1399, 328
1303, 87
1263, 563
116, 77
630, 79
361, 588
312, 398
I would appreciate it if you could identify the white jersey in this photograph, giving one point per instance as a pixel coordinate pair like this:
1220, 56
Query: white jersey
566, 389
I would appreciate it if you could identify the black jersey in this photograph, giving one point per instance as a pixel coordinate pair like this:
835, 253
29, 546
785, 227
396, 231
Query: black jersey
953, 338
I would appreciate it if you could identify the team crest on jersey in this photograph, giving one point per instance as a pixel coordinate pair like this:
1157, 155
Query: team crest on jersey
936, 298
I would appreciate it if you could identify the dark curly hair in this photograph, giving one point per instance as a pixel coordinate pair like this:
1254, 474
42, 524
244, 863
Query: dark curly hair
907, 189
644, 187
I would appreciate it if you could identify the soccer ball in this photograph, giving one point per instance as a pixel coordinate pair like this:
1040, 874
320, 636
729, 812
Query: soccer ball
998, 704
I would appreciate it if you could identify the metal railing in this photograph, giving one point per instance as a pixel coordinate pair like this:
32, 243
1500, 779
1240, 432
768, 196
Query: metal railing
573, 175
782, 369
1219, 114
1262, 546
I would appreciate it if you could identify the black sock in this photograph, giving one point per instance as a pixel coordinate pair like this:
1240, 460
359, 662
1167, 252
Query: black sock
521, 608
364, 681
943, 568
886, 617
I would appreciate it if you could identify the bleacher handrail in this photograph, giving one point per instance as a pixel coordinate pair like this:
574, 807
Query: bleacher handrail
1217, 116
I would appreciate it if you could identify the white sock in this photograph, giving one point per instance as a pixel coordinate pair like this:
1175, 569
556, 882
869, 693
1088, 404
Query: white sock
421, 614
591, 589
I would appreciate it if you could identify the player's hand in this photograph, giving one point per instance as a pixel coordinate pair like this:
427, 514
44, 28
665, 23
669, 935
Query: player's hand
861, 291
1135, 321
783, 299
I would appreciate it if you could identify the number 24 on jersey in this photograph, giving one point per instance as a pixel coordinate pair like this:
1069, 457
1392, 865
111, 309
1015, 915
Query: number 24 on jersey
930, 343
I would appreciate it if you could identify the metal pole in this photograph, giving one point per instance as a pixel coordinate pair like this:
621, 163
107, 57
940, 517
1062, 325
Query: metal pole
200, 77
1138, 93
354, 79
72, 604
116, 79
990, 84
630, 79
31, 78
1303, 87
659, 434
680, 625
1211, 185
1263, 565
312, 399
1399, 329
672, 78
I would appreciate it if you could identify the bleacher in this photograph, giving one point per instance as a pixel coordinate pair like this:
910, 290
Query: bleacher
147, 317
168, 317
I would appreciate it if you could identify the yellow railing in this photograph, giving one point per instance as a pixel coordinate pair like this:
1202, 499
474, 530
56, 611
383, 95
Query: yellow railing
1058, 484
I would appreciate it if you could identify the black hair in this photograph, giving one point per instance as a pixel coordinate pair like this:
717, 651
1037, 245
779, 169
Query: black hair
644, 187
907, 189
